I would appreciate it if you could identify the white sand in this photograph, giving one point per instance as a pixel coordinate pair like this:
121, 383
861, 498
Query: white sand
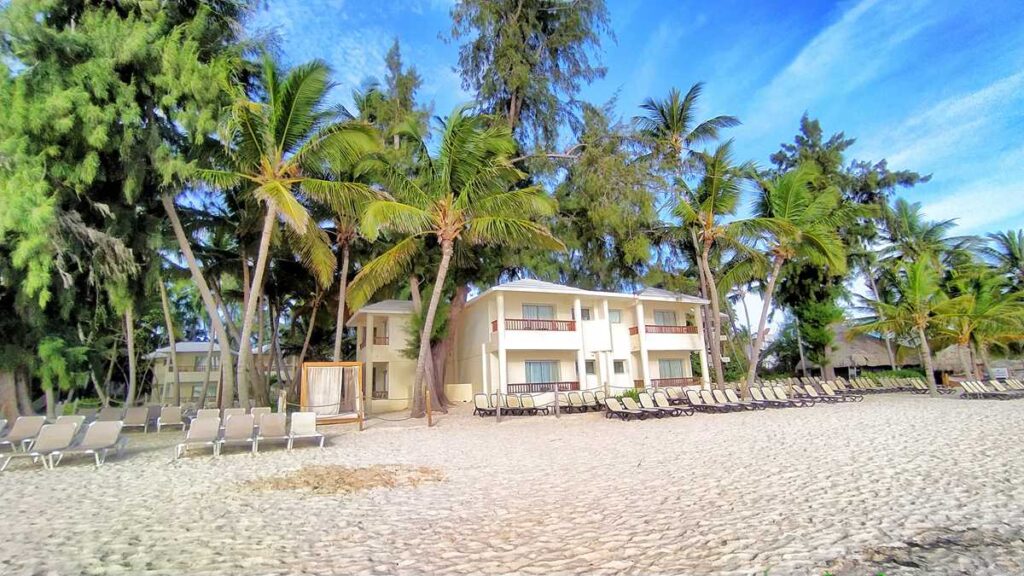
799, 491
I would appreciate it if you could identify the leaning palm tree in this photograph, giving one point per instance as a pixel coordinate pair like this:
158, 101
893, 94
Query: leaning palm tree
917, 308
913, 236
703, 210
462, 195
277, 137
984, 314
1006, 251
669, 126
795, 221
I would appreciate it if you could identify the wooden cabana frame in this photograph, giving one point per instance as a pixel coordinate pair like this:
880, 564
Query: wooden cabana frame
304, 403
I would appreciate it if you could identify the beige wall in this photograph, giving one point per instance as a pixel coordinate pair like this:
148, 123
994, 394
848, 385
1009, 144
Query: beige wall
401, 371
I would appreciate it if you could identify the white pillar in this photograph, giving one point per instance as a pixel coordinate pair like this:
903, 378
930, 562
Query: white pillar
704, 376
502, 355
641, 335
485, 372
368, 366
581, 360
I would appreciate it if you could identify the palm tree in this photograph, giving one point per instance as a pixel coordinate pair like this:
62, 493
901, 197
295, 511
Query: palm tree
912, 236
1006, 250
982, 315
670, 128
276, 139
796, 222
917, 307
462, 195
702, 210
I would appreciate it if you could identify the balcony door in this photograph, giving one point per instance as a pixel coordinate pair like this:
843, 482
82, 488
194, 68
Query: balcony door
665, 318
542, 371
670, 368
538, 312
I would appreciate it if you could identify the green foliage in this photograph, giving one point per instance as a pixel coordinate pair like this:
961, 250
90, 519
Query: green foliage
901, 373
61, 366
630, 393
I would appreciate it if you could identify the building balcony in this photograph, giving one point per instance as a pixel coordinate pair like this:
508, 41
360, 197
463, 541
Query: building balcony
669, 382
533, 324
536, 387
377, 341
658, 337
659, 329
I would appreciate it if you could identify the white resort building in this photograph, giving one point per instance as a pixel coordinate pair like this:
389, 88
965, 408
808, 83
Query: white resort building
530, 336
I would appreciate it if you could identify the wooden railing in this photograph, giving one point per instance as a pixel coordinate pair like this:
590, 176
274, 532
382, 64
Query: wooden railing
380, 394
533, 387
494, 325
547, 325
666, 382
658, 329
380, 340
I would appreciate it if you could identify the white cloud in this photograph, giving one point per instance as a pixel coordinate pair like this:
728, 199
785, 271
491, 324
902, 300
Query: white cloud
980, 206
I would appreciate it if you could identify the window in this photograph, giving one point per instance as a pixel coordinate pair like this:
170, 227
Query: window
199, 365
665, 318
619, 366
538, 312
540, 371
590, 367
584, 313
615, 316
380, 383
670, 368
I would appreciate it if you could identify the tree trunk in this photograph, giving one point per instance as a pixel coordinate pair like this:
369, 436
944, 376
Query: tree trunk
21, 383
51, 403
102, 388
965, 362
800, 346
417, 403
755, 352
305, 344
926, 359
985, 360
8, 396
244, 344
212, 311
339, 326
428, 324
129, 335
716, 320
174, 348
443, 348
885, 336
261, 383
206, 377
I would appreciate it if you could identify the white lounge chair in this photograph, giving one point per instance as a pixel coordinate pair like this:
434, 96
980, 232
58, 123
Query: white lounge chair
52, 438
76, 419
272, 427
207, 413
304, 426
258, 412
100, 438
232, 412
238, 429
23, 431
110, 414
170, 416
137, 417
202, 432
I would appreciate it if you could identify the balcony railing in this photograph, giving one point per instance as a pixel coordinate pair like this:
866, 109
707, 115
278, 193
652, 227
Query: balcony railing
533, 387
545, 325
380, 340
659, 329
666, 382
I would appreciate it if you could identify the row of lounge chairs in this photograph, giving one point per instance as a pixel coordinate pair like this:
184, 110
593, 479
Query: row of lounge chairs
160, 416
248, 429
657, 405
525, 404
1011, 389
32, 437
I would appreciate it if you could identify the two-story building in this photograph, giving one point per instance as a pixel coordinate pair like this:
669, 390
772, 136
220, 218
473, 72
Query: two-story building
193, 371
532, 336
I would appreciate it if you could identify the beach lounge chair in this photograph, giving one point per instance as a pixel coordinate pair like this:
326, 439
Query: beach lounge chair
698, 404
590, 399
576, 402
675, 396
827, 390
77, 420
304, 426
999, 387
89, 413
530, 406
481, 407
661, 401
599, 396
811, 393
258, 412
24, 429
51, 438
616, 410
709, 398
758, 394
273, 427
202, 432
207, 413
780, 394
723, 398
110, 414
733, 397
99, 439
238, 429
228, 412
170, 416
629, 404
987, 392
137, 417
514, 405
647, 402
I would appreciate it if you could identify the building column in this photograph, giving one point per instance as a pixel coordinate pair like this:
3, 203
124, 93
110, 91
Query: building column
641, 335
502, 354
581, 360
699, 320
485, 371
368, 373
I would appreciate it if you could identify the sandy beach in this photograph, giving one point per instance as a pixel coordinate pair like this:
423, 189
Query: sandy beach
901, 484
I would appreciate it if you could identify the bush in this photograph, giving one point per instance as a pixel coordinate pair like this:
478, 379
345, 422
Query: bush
632, 393
902, 373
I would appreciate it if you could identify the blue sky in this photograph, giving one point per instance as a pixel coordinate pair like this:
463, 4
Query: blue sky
934, 86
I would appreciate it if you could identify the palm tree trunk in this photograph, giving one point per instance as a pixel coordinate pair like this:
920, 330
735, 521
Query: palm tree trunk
755, 352
174, 348
888, 340
205, 293
428, 322
965, 362
206, 377
716, 320
926, 359
129, 335
8, 396
305, 343
339, 326
244, 344
102, 387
